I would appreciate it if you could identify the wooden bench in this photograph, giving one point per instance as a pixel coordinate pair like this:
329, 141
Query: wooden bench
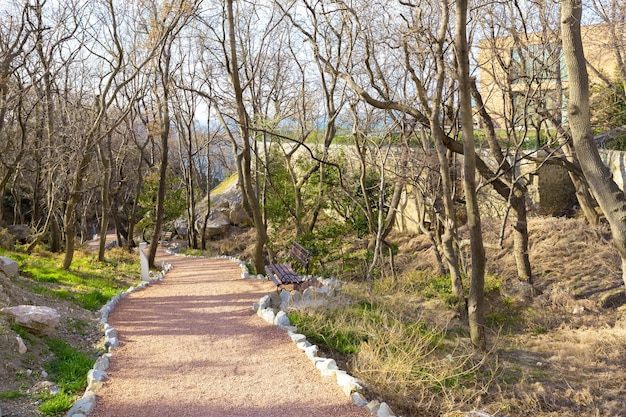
166, 236
283, 274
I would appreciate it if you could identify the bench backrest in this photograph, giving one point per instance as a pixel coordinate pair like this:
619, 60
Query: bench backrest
300, 254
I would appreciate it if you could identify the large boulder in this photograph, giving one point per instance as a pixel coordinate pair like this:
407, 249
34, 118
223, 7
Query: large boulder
218, 224
226, 210
21, 232
227, 198
9, 267
40, 320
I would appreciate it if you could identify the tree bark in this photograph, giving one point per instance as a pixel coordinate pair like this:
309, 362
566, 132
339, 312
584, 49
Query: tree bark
163, 104
246, 181
476, 292
106, 202
514, 193
609, 197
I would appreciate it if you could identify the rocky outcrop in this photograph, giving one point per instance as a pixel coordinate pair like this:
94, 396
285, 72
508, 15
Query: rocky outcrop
218, 224
226, 210
227, 199
38, 319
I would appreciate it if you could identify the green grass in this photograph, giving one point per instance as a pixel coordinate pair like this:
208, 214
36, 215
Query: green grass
54, 405
69, 370
11, 395
70, 367
88, 283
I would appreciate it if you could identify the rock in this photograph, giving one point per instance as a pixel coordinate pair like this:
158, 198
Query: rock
308, 295
275, 300
297, 337
267, 314
21, 232
21, 346
345, 379
358, 399
285, 299
265, 302
218, 224
44, 387
327, 366
239, 216
111, 342
41, 320
102, 363
9, 267
296, 296
227, 199
96, 375
84, 406
321, 290
281, 319
373, 406
384, 411
109, 331
303, 345
311, 352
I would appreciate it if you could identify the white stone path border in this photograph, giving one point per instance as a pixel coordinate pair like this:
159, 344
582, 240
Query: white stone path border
86, 404
350, 385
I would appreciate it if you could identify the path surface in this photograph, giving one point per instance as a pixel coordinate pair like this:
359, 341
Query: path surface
191, 346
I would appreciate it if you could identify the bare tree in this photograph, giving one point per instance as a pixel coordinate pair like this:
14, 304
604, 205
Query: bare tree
609, 196
476, 302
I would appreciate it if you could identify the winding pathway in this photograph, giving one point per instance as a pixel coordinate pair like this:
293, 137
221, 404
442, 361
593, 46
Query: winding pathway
191, 346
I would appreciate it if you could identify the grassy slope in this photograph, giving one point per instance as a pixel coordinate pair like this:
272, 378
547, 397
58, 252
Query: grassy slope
65, 357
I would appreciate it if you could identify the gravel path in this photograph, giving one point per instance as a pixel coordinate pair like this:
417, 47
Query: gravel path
192, 346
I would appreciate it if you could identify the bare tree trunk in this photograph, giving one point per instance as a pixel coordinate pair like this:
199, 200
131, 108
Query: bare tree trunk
69, 218
476, 303
209, 181
584, 197
245, 165
163, 104
106, 203
449, 236
609, 197
515, 193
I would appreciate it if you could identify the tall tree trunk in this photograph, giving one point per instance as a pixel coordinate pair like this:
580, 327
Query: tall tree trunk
209, 182
69, 217
106, 201
164, 115
476, 303
449, 235
515, 193
246, 181
609, 197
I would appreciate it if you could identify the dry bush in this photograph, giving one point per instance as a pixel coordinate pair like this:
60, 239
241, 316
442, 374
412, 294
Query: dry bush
564, 251
410, 368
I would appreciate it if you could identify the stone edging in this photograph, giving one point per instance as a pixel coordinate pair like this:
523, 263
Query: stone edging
86, 404
272, 308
